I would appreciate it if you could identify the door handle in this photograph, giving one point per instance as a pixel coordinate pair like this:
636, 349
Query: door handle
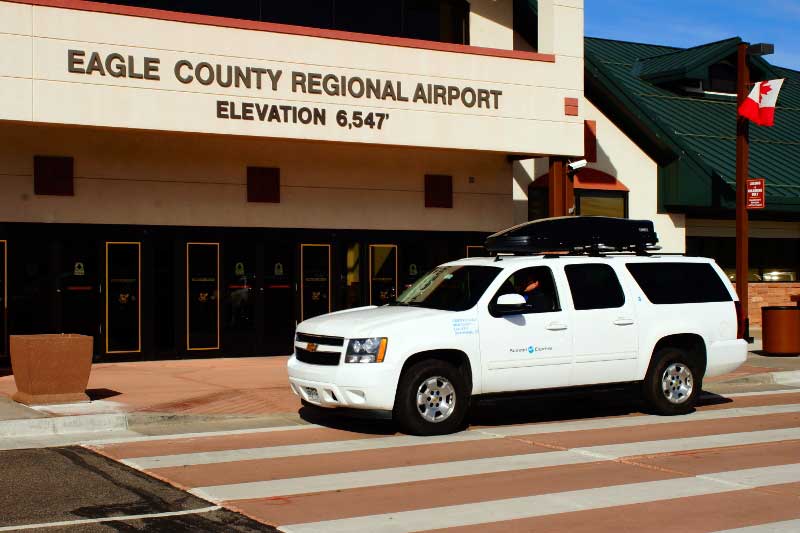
556, 326
623, 322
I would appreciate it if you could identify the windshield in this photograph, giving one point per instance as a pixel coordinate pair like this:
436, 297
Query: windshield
450, 288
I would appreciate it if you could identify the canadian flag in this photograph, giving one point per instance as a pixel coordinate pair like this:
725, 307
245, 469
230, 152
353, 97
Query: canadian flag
759, 106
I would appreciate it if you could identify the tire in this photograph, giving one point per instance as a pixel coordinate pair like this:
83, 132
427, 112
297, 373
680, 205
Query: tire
682, 391
409, 417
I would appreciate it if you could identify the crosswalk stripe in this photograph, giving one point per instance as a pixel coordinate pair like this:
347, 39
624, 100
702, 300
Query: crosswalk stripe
555, 503
295, 450
788, 526
387, 476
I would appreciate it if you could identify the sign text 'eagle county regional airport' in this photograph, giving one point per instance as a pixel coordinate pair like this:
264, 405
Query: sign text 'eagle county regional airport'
117, 65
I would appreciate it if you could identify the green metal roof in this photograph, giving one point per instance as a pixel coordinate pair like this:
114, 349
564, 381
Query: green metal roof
691, 63
699, 131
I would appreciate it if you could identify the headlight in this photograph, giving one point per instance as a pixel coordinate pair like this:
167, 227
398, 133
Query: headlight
370, 350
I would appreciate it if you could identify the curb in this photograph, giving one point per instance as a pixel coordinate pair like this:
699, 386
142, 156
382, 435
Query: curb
63, 425
111, 422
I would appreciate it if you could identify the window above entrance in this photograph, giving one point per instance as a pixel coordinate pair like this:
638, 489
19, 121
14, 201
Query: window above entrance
445, 21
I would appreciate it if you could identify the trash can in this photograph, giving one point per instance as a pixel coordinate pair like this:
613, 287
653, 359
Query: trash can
51, 369
781, 329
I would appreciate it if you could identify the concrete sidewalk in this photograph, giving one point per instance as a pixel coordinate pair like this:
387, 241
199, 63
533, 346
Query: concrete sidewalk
184, 396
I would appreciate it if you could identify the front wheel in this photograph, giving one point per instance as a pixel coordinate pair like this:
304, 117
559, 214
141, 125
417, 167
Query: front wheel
673, 382
432, 399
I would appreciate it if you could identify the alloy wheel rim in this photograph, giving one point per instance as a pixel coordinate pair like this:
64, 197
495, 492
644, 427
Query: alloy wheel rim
436, 399
677, 383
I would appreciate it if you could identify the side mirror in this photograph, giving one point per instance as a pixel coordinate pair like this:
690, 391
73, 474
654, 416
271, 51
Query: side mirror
510, 304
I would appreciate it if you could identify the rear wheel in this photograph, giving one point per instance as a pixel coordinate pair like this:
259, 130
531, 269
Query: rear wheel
673, 382
432, 399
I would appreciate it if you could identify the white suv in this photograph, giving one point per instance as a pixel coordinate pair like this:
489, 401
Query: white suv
517, 323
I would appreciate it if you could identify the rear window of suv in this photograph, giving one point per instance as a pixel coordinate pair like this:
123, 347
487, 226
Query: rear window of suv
679, 283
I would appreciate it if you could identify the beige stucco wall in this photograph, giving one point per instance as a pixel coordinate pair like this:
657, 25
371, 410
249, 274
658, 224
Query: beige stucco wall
491, 23
528, 118
618, 156
139, 177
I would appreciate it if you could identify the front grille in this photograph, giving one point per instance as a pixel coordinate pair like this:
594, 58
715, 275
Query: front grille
317, 358
320, 339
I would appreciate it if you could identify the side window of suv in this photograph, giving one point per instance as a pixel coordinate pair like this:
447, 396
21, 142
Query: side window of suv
536, 285
594, 286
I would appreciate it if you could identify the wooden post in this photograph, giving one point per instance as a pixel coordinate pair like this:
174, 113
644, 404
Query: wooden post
742, 173
557, 187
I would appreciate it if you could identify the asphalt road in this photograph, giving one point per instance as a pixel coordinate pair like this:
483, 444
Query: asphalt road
48, 486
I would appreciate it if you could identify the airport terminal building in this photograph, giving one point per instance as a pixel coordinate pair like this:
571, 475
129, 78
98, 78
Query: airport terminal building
192, 178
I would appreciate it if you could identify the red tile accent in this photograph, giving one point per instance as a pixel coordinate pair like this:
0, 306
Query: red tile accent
438, 191
264, 184
208, 20
53, 175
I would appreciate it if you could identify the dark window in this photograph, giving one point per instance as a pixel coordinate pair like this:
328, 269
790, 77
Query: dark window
536, 285
722, 78
526, 21
443, 20
450, 288
594, 286
263, 184
438, 191
52, 175
679, 283
313, 13
421, 20
368, 16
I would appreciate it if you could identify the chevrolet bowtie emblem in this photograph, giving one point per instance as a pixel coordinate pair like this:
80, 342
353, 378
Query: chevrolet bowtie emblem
312, 347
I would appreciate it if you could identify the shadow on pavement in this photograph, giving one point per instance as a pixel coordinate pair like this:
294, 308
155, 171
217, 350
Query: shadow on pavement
101, 394
527, 408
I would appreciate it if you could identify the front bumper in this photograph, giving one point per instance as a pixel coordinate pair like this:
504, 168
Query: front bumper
360, 386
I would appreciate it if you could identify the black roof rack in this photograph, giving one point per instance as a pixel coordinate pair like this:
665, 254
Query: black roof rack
575, 235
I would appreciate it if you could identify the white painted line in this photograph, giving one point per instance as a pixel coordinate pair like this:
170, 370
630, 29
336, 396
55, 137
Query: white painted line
789, 526
491, 465
124, 518
296, 450
745, 394
178, 436
555, 503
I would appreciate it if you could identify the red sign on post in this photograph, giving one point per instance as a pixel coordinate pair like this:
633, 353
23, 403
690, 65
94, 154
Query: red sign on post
755, 194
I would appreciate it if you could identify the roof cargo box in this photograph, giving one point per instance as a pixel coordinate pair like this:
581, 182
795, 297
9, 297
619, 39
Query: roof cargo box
575, 235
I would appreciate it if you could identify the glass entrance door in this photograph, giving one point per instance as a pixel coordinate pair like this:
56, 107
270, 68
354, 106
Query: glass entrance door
382, 273
279, 298
77, 288
239, 298
123, 297
202, 296
315, 280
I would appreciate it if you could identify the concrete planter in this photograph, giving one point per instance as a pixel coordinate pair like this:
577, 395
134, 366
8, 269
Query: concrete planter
51, 369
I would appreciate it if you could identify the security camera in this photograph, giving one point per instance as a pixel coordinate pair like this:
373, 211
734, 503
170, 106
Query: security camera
577, 165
